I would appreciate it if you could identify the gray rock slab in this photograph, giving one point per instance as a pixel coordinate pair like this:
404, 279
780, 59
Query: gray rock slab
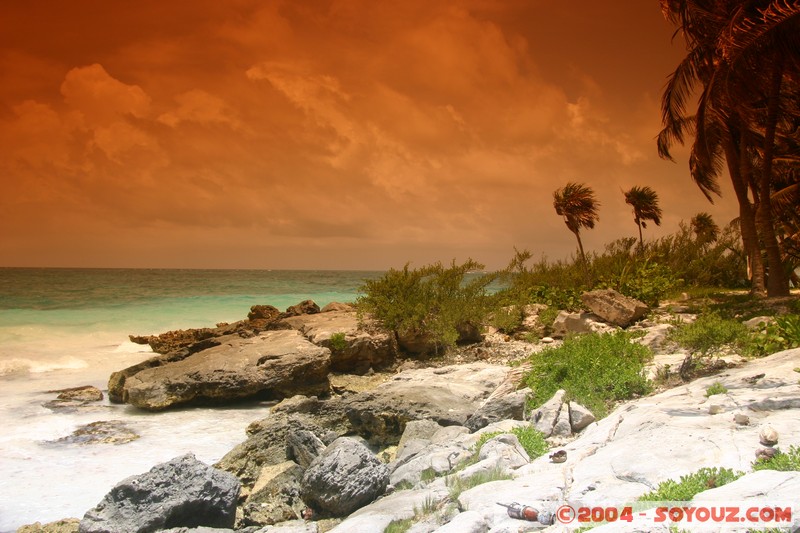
183, 492
279, 363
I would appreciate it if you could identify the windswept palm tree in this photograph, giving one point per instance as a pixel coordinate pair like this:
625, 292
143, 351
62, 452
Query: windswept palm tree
705, 229
577, 204
644, 201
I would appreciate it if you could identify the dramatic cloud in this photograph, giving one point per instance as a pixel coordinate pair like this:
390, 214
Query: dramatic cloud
325, 134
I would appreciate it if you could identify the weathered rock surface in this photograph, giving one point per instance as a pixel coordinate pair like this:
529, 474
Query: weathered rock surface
566, 323
275, 497
614, 307
273, 364
639, 445
345, 477
67, 525
267, 438
447, 395
559, 418
303, 446
87, 393
100, 432
183, 492
362, 348
510, 406
306, 307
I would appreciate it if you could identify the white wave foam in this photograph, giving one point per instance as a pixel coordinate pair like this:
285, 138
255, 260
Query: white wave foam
21, 366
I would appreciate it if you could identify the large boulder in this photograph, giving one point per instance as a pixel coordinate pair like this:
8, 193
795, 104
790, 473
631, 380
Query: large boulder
269, 442
567, 323
345, 477
614, 307
183, 492
355, 345
447, 395
272, 364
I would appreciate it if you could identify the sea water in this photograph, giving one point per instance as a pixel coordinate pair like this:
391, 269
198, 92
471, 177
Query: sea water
63, 328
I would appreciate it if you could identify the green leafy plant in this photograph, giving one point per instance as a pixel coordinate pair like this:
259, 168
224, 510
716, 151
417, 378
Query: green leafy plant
429, 474
507, 319
781, 461
531, 440
400, 525
709, 333
716, 388
691, 484
338, 341
615, 364
434, 301
781, 334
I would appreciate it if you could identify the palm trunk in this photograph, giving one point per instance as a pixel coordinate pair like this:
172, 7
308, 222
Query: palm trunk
777, 282
641, 241
580, 247
738, 166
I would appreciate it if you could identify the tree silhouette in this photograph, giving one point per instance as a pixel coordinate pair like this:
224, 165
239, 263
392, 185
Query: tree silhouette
577, 204
705, 229
644, 201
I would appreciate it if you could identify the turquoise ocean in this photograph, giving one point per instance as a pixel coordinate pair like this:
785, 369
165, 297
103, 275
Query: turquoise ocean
63, 328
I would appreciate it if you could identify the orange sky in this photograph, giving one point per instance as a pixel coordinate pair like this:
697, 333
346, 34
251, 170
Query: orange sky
347, 134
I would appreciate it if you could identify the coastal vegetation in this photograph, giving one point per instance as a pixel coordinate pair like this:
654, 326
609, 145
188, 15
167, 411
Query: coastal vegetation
615, 363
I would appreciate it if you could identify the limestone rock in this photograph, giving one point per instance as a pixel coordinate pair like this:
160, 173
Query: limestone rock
87, 393
303, 446
263, 312
364, 347
100, 432
466, 522
420, 431
500, 407
306, 307
507, 448
768, 436
562, 427
275, 497
545, 417
614, 307
275, 363
579, 417
183, 492
447, 395
345, 477
566, 323
67, 525
336, 306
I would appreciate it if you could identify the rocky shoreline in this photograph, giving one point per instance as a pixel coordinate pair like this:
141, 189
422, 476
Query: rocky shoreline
363, 434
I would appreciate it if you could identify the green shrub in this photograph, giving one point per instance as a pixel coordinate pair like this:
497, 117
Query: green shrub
709, 333
595, 370
531, 440
508, 319
432, 300
400, 525
782, 334
338, 341
716, 388
691, 484
781, 461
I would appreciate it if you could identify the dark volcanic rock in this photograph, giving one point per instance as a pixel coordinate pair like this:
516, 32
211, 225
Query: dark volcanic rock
183, 492
345, 477
263, 312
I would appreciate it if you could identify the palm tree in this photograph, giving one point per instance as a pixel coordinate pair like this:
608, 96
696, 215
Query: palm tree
577, 204
644, 201
705, 229
743, 56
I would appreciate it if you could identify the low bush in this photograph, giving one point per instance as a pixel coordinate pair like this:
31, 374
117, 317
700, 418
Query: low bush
781, 334
531, 440
596, 370
338, 341
781, 461
433, 300
709, 333
691, 484
716, 388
